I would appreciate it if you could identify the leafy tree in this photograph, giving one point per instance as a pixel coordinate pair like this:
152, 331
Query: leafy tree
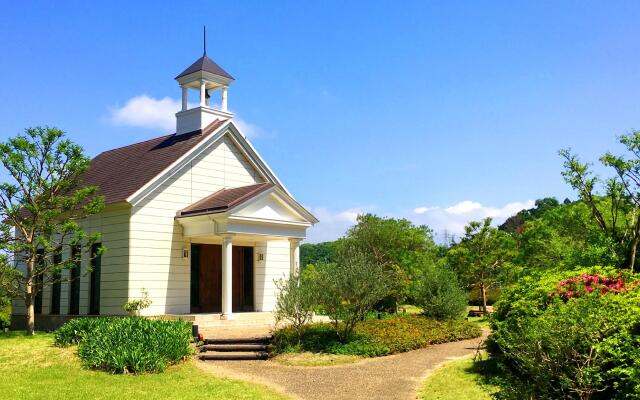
516, 222
440, 294
396, 244
40, 209
315, 253
564, 237
349, 288
482, 257
295, 301
619, 216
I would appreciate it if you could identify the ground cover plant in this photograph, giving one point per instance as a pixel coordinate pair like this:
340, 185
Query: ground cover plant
572, 335
376, 337
32, 369
127, 345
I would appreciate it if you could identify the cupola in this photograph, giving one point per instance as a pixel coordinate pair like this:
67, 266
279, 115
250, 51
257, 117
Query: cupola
207, 78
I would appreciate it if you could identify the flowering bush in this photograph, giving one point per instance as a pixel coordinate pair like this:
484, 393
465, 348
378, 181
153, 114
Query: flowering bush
591, 283
570, 335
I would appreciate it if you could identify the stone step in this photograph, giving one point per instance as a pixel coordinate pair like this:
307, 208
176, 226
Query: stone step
239, 340
235, 347
239, 355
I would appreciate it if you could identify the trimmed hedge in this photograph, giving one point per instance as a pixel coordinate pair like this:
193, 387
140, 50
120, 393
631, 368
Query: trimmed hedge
376, 337
127, 345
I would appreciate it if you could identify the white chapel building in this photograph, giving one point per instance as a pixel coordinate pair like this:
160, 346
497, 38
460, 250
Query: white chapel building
196, 218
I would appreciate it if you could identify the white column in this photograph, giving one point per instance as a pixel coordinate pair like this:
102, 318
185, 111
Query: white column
185, 97
223, 102
203, 93
294, 254
227, 275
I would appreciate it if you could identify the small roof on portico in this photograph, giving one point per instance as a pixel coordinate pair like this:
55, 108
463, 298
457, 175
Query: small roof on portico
225, 199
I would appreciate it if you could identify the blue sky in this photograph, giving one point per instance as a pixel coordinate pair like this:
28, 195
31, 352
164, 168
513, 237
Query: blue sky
438, 113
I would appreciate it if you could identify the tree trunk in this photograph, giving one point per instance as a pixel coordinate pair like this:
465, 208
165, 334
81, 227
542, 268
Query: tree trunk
29, 300
483, 289
632, 252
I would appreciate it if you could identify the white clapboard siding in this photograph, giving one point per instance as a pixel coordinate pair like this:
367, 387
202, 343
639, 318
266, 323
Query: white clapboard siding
113, 225
276, 265
156, 242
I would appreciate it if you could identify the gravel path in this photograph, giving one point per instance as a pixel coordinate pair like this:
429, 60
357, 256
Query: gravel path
392, 377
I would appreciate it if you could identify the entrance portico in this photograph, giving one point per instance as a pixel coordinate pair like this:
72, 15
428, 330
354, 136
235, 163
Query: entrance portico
260, 218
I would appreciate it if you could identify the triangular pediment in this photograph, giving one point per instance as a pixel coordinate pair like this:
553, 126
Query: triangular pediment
271, 206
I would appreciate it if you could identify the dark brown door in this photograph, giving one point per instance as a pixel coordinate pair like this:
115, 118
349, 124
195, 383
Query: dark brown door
206, 278
210, 278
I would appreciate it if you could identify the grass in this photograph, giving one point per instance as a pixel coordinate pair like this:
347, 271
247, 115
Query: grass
456, 380
308, 359
32, 368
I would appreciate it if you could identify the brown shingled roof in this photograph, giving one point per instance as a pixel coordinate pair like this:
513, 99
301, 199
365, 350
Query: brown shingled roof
204, 63
225, 199
119, 173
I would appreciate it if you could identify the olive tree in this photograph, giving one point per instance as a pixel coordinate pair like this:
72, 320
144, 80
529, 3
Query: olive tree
349, 288
40, 211
295, 302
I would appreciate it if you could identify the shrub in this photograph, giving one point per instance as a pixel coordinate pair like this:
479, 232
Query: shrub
349, 289
129, 344
376, 337
133, 307
582, 346
73, 331
294, 302
5, 315
440, 295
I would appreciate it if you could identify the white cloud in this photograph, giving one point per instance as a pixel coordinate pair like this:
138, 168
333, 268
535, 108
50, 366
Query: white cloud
451, 219
147, 112
464, 207
333, 224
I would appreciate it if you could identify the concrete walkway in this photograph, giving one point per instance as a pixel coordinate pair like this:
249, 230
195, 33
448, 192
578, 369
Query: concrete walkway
393, 377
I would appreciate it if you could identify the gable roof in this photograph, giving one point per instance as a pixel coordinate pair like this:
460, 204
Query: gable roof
120, 172
206, 64
225, 199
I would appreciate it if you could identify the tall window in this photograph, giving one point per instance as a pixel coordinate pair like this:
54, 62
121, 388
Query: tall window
94, 287
55, 287
74, 282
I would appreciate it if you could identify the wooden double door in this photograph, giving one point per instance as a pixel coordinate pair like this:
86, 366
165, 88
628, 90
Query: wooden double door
206, 278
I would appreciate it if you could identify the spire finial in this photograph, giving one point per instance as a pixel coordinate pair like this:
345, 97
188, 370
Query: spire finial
204, 33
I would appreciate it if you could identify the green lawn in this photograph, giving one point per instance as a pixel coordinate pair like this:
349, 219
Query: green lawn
32, 368
456, 380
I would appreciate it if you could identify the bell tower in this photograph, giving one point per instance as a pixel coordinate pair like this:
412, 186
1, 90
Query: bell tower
207, 78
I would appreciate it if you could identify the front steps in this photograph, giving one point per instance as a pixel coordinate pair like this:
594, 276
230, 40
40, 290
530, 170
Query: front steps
238, 348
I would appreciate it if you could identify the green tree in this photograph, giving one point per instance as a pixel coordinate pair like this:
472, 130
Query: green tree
315, 253
617, 211
349, 288
295, 301
564, 237
440, 294
482, 257
40, 211
516, 222
396, 244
